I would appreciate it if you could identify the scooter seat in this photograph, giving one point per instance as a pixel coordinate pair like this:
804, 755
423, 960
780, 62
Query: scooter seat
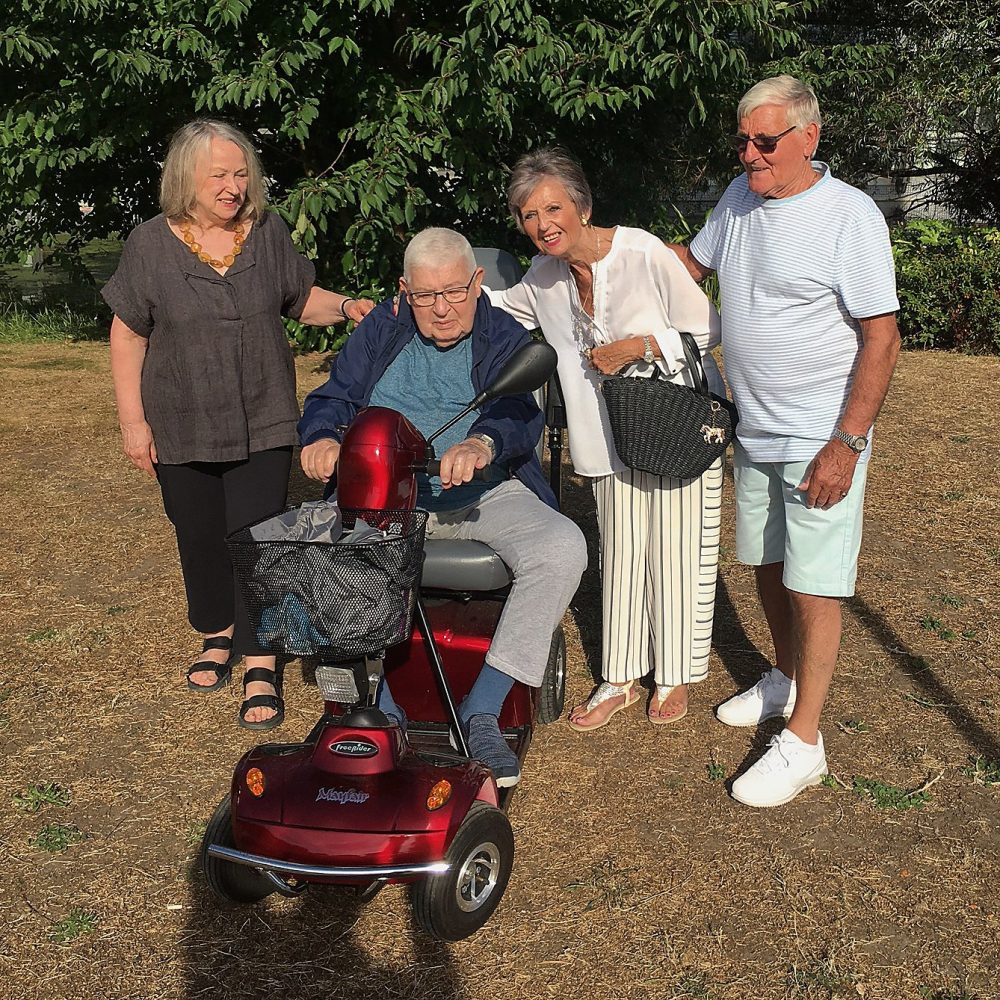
460, 564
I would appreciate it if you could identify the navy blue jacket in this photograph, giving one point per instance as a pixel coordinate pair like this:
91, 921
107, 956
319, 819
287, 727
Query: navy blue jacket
513, 422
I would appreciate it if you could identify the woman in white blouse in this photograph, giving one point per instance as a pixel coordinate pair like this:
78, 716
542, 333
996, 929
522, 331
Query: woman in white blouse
608, 300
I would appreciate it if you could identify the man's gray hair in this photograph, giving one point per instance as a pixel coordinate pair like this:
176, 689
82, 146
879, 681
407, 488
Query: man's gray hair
798, 99
547, 163
437, 247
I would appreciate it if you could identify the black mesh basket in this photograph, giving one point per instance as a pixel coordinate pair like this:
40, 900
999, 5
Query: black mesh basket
337, 600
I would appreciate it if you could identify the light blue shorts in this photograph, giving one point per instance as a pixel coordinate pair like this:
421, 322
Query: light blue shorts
773, 525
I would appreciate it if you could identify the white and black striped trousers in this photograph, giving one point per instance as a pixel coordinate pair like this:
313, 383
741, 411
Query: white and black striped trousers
659, 564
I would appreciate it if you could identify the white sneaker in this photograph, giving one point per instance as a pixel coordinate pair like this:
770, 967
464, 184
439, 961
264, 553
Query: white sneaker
771, 696
788, 766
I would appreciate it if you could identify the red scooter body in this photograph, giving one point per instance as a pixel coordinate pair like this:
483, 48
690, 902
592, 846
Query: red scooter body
322, 808
360, 803
379, 457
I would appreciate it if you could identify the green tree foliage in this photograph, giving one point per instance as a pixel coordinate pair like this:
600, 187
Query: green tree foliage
378, 117
927, 104
948, 278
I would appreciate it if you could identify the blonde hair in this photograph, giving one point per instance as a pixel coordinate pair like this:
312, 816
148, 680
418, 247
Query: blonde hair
188, 143
797, 98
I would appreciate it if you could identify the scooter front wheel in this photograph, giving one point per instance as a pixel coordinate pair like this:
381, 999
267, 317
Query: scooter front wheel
235, 883
456, 904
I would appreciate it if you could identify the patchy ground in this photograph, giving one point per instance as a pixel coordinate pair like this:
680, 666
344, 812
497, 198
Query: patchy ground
636, 875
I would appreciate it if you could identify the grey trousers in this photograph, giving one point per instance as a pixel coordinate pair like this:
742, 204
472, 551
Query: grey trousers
546, 553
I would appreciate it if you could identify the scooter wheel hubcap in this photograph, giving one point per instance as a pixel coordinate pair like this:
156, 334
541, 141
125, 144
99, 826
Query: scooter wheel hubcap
478, 877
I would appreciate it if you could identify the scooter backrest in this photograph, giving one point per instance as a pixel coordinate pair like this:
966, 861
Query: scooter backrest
502, 269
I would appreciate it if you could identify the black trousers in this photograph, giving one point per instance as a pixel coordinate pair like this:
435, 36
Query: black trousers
206, 501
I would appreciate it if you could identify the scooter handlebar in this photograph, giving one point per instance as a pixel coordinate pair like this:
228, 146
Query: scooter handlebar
488, 474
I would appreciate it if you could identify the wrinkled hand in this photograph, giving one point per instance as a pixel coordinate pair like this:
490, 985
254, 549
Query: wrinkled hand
609, 359
319, 459
829, 476
138, 444
461, 460
358, 309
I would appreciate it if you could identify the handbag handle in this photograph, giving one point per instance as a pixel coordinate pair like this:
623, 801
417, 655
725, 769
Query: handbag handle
693, 357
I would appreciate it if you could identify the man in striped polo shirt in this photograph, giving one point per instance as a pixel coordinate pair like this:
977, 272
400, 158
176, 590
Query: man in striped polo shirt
810, 343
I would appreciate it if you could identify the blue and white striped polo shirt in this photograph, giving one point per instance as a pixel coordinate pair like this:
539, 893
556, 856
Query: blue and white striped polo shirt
796, 274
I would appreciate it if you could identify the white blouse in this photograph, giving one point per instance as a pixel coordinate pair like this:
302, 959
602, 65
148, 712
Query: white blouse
640, 289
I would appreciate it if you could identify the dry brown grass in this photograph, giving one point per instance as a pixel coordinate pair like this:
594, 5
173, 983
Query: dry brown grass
636, 875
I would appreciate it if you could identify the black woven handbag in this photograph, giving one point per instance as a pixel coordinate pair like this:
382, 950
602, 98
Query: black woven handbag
669, 429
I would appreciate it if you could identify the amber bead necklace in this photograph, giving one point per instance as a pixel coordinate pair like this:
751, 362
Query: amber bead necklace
195, 247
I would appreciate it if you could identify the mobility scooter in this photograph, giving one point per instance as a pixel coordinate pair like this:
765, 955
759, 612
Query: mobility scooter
360, 802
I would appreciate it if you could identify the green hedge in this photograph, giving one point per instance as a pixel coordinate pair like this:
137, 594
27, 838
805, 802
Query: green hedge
948, 278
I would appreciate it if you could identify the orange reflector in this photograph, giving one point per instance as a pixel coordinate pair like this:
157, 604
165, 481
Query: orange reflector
255, 781
439, 795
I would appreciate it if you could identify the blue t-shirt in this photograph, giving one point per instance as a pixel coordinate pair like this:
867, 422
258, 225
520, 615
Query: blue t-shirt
430, 384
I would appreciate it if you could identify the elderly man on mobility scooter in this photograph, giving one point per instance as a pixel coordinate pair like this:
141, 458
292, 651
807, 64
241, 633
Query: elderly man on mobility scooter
442, 346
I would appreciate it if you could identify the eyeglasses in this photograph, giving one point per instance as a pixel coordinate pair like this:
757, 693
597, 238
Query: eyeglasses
453, 296
764, 143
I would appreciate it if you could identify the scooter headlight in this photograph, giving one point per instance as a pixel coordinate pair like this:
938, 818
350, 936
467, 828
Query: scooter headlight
439, 795
337, 684
255, 782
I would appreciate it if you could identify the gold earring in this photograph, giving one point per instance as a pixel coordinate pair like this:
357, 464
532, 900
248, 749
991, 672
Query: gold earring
584, 221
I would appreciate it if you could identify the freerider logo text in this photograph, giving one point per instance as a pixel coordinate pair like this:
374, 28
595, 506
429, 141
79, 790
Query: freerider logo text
341, 795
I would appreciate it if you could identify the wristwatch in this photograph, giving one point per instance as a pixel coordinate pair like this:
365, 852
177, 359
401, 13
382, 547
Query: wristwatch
856, 442
647, 353
488, 441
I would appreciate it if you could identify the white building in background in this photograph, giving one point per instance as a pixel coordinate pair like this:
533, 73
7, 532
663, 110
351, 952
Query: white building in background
908, 198
898, 198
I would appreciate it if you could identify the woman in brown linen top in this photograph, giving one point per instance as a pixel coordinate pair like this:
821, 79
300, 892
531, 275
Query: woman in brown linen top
204, 377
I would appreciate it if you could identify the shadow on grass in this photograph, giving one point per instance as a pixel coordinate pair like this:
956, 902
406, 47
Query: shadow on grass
578, 504
938, 696
303, 947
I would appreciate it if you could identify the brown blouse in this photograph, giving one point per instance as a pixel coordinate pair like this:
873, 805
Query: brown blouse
218, 380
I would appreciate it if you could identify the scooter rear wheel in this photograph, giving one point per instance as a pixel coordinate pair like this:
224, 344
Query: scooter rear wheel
235, 883
552, 691
456, 904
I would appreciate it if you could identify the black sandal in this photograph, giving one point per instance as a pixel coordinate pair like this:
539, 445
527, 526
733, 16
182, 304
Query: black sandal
272, 701
222, 671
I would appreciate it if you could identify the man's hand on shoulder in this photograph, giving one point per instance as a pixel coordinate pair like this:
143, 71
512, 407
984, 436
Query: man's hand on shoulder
319, 459
461, 460
829, 476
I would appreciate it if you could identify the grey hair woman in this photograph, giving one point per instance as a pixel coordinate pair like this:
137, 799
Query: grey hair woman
614, 299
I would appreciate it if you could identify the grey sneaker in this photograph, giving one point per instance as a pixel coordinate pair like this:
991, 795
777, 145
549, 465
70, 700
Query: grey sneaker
772, 696
487, 745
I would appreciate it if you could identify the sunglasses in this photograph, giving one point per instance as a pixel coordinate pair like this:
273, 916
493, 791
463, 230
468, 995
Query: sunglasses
454, 296
764, 143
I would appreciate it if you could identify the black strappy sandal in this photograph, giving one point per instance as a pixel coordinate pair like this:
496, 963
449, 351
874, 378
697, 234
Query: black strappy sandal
222, 671
272, 701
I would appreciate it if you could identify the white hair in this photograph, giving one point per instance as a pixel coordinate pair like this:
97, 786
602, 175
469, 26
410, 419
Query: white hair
797, 98
437, 247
